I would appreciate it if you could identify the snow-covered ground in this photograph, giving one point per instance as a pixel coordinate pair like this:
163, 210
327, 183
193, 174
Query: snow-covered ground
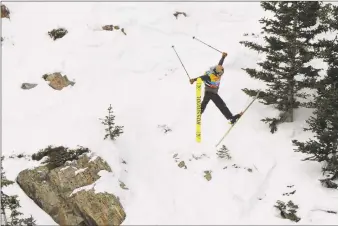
140, 75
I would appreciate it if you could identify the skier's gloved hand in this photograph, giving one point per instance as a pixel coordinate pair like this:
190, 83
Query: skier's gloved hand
224, 54
192, 81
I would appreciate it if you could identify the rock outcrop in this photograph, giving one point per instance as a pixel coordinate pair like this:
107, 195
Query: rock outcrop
63, 188
4, 12
28, 85
57, 81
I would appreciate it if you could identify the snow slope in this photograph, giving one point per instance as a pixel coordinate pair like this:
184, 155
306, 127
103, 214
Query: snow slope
140, 75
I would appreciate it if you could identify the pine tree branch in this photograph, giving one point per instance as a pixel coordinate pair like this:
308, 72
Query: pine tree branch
254, 46
265, 76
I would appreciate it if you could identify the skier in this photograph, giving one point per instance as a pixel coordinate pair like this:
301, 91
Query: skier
211, 80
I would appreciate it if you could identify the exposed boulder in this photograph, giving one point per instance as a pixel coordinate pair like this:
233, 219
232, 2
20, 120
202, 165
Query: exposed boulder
63, 188
4, 12
28, 85
57, 81
96, 208
182, 165
207, 175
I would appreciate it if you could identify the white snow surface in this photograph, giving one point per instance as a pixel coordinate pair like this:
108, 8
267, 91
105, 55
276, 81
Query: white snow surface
140, 75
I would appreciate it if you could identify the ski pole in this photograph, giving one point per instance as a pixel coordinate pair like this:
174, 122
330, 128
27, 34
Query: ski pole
206, 44
181, 62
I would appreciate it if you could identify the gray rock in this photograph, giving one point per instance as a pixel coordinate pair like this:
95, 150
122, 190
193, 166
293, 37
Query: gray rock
28, 85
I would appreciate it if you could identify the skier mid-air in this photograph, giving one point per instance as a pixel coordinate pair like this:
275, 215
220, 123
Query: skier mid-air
212, 80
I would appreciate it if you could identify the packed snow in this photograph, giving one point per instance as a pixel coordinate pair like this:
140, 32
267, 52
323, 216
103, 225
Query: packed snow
142, 78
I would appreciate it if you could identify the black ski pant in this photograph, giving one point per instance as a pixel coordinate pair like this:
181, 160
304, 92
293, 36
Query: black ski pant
218, 102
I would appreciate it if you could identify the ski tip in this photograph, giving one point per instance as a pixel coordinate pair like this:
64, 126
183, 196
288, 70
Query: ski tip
172, 46
193, 37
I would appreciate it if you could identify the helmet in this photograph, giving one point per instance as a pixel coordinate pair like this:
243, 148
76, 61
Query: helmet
219, 70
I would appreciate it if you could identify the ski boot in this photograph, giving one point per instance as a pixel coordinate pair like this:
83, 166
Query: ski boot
234, 118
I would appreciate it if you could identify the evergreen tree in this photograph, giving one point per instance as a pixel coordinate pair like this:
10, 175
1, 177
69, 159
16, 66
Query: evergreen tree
289, 38
112, 131
324, 122
11, 203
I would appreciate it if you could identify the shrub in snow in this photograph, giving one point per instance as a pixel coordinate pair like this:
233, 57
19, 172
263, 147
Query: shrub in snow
58, 156
223, 153
252, 34
4, 12
238, 167
112, 131
179, 13
10, 204
110, 27
287, 51
288, 211
123, 31
57, 33
199, 157
165, 128
19, 156
123, 185
289, 193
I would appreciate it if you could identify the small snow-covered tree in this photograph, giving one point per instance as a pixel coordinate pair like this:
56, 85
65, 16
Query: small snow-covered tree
112, 131
289, 37
223, 153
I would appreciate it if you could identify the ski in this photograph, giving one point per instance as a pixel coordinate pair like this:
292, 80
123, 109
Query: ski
232, 126
198, 110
